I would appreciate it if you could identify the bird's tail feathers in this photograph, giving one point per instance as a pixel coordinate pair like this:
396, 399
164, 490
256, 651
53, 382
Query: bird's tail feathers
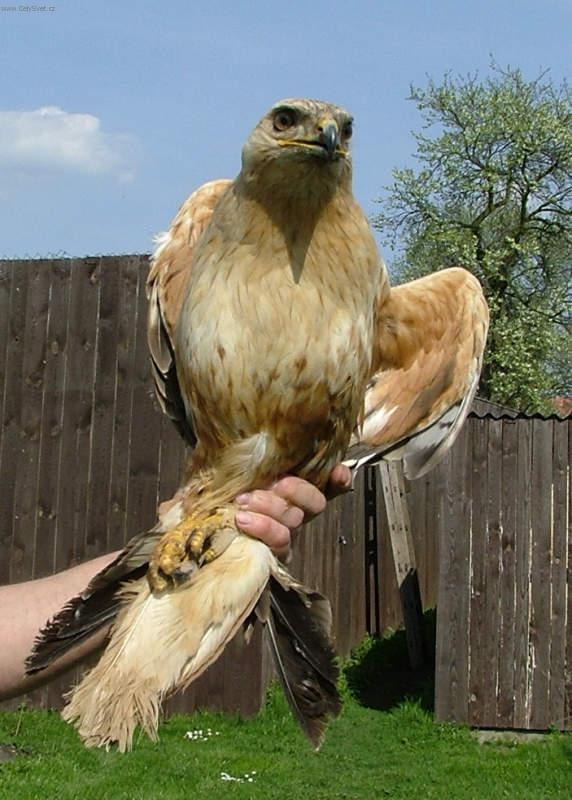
163, 642
299, 624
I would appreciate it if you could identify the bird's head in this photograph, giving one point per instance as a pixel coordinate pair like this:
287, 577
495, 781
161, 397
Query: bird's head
299, 139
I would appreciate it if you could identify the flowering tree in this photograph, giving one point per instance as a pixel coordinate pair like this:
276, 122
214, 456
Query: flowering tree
493, 193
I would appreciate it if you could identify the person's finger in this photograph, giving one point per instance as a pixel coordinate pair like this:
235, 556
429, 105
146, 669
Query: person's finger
268, 502
339, 482
300, 494
268, 530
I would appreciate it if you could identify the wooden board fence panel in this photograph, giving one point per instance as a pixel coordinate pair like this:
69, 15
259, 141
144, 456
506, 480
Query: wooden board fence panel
518, 646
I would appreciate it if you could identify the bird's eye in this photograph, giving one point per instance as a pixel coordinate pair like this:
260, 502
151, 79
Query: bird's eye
284, 119
347, 130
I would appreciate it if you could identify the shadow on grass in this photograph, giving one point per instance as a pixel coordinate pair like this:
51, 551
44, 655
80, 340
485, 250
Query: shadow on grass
378, 674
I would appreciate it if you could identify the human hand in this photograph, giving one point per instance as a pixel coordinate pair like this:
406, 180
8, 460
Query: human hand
273, 514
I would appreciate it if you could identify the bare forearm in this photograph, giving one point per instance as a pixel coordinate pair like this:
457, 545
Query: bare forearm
24, 610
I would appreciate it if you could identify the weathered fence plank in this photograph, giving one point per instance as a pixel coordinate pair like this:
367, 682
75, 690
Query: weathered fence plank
6, 273
523, 550
454, 588
560, 525
505, 702
492, 572
478, 620
568, 667
10, 446
117, 531
30, 420
78, 413
50, 446
541, 572
101, 449
142, 492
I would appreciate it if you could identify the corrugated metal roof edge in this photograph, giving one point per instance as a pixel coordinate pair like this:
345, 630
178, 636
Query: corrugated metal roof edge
485, 409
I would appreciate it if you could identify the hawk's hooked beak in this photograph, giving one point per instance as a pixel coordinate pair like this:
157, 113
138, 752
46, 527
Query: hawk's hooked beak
329, 136
326, 144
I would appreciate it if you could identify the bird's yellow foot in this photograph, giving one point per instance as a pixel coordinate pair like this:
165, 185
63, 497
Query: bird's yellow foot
196, 540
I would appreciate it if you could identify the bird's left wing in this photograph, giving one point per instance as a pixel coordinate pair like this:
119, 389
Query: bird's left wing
168, 278
430, 340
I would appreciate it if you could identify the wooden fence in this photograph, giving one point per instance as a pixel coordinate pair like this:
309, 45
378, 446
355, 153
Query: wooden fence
504, 624
85, 457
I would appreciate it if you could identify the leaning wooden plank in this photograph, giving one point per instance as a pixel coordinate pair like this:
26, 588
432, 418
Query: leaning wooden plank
404, 559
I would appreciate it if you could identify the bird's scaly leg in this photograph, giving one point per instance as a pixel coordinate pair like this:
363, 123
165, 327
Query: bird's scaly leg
197, 539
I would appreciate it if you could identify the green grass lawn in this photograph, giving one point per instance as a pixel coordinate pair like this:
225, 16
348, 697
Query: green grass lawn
369, 752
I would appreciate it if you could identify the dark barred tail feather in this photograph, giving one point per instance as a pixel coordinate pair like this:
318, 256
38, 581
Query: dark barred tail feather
299, 633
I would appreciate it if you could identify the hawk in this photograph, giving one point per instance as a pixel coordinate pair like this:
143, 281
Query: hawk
277, 346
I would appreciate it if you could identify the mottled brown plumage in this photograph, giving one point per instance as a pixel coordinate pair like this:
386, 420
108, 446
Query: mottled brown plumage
274, 339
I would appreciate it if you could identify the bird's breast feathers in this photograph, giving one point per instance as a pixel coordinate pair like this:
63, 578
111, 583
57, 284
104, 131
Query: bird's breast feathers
280, 331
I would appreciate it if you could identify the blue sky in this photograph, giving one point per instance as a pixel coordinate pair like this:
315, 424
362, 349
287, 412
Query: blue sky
112, 113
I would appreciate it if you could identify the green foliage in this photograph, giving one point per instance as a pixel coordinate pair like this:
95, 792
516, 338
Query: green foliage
494, 193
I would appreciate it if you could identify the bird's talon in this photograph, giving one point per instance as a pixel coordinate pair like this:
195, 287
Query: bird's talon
158, 582
196, 543
183, 549
208, 556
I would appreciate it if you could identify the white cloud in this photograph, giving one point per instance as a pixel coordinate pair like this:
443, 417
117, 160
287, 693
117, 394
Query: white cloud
51, 139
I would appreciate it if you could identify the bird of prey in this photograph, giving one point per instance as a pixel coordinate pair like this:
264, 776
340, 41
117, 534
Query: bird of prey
277, 346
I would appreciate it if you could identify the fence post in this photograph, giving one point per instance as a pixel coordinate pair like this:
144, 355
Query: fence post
372, 599
404, 559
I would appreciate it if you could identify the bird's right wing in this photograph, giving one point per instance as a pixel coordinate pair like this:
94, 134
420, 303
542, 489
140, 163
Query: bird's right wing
430, 341
166, 286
